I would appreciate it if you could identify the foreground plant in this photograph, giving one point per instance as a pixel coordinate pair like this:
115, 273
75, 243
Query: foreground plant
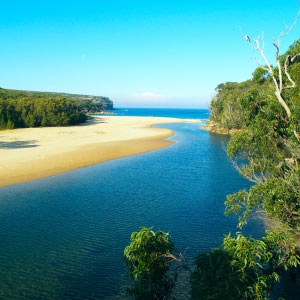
244, 268
148, 259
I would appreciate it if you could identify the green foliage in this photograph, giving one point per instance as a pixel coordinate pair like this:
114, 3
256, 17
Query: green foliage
215, 276
148, 261
226, 109
93, 106
267, 152
244, 268
236, 104
18, 111
260, 75
86, 102
278, 196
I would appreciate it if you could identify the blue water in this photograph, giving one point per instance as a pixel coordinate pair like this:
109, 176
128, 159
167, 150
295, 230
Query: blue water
63, 237
164, 112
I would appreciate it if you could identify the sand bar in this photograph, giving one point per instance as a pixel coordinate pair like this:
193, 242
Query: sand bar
34, 153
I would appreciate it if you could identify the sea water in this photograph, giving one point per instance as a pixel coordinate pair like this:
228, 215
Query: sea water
63, 237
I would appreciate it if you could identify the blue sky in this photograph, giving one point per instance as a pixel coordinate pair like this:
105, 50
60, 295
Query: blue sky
139, 53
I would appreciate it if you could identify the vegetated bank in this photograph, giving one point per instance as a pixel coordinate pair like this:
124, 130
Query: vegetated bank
20, 109
265, 147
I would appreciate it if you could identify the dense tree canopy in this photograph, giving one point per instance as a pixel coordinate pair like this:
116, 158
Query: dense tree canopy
271, 150
266, 150
20, 109
38, 112
244, 268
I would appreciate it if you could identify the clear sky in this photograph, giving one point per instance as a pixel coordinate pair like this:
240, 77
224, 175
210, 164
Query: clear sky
139, 53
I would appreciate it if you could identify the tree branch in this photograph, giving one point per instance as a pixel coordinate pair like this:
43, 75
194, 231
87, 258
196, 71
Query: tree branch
288, 29
278, 85
259, 64
286, 64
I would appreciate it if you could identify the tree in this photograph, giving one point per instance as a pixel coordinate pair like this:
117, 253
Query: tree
269, 144
280, 82
148, 259
18, 111
244, 268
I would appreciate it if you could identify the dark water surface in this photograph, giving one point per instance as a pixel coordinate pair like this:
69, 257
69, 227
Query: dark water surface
63, 237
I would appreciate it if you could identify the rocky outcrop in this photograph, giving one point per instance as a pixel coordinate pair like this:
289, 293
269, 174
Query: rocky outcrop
214, 128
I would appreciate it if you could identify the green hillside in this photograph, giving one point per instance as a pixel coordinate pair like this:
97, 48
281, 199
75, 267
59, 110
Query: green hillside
19, 109
94, 103
239, 105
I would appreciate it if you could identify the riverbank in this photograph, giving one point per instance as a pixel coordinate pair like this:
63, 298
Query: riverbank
214, 128
34, 153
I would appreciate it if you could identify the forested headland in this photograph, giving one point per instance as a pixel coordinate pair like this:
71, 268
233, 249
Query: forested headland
20, 109
265, 147
239, 105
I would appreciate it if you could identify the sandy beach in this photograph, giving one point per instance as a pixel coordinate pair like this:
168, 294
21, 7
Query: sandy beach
34, 153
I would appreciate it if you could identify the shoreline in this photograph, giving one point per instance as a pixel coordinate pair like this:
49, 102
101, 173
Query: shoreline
213, 128
34, 153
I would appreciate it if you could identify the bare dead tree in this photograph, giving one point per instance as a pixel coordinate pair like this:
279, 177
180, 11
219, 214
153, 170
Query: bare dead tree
259, 46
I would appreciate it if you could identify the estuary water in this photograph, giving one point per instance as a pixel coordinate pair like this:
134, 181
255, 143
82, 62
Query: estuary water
63, 237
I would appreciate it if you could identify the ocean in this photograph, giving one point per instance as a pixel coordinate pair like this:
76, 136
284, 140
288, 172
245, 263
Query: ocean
164, 112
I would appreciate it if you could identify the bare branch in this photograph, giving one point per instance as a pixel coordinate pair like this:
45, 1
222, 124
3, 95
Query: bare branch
247, 39
294, 57
275, 42
288, 29
253, 178
286, 64
173, 257
252, 45
276, 45
255, 44
259, 64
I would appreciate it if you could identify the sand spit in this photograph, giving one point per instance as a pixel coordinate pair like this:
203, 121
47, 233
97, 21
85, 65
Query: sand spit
34, 153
